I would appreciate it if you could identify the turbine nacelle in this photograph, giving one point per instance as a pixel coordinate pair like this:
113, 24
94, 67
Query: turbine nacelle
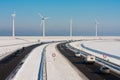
96, 21
42, 17
13, 15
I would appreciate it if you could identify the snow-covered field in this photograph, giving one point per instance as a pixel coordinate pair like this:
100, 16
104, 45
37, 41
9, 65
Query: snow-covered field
30, 68
106, 49
9, 45
59, 68
109, 46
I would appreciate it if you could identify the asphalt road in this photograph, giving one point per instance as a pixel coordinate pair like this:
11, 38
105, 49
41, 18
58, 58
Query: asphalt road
89, 70
9, 63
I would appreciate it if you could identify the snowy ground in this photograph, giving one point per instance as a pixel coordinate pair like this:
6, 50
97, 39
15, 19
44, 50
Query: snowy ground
109, 48
9, 45
59, 68
30, 68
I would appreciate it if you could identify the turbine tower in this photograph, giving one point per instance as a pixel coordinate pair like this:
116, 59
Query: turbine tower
96, 24
13, 27
43, 23
71, 27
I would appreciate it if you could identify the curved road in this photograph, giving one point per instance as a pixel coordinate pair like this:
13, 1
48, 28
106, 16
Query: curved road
89, 70
9, 63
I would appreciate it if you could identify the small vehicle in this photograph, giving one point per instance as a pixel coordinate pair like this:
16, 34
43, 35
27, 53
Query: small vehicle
89, 59
105, 70
77, 54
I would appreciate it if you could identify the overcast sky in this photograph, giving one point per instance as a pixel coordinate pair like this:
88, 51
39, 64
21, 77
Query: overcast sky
83, 13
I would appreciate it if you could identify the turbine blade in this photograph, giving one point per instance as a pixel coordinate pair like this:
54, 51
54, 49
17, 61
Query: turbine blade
40, 15
47, 17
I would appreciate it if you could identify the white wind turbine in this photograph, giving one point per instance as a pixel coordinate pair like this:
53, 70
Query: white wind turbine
43, 22
71, 27
96, 24
13, 27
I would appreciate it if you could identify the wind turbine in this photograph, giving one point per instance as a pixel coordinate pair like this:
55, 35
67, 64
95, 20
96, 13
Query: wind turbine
13, 27
43, 22
71, 27
96, 24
